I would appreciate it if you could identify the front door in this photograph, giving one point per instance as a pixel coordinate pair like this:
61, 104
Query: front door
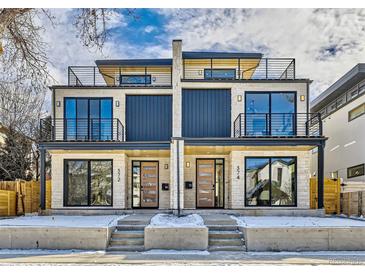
145, 184
210, 183
205, 183
149, 184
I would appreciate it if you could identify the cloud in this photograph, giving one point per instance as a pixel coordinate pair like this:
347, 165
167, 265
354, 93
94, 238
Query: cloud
325, 42
149, 29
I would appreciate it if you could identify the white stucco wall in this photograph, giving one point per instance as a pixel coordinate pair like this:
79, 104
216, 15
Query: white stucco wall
345, 146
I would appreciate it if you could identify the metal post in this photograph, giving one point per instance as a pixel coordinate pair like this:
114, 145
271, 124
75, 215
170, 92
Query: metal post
43, 178
320, 175
239, 68
145, 76
266, 61
94, 76
211, 68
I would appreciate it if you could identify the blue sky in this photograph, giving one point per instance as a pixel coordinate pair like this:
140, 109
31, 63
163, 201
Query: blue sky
326, 43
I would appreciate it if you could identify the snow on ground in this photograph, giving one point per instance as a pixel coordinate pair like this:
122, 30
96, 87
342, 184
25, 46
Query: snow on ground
63, 221
168, 220
282, 221
48, 251
176, 252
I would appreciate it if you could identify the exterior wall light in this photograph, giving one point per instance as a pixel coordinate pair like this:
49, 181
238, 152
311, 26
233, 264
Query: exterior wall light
302, 98
239, 98
187, 164
117, 103
166, 166
200, 72
58, 103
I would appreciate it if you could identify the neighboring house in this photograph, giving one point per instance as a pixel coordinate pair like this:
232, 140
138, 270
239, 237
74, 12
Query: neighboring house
182, 133
342, 108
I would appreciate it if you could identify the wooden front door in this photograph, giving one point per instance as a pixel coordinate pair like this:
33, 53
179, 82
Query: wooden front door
205, 183
149, 184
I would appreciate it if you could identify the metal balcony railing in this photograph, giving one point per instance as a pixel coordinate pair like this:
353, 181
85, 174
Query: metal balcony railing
278, 125
119, 76
93, 129
239, 69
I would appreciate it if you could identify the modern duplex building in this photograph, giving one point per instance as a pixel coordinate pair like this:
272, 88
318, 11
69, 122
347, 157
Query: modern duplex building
342, 107
201, 130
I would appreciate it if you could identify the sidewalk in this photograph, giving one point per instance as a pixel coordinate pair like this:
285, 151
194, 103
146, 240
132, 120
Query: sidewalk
158, 257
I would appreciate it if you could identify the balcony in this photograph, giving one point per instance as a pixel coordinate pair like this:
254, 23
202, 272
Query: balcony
120, 76
239, 69
278, 125
88, 130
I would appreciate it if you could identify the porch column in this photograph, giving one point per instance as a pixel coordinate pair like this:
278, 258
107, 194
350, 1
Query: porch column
177, 176
43, 178
320, 177
177, 72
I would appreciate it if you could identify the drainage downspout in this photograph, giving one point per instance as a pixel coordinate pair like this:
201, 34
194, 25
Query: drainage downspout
178, 178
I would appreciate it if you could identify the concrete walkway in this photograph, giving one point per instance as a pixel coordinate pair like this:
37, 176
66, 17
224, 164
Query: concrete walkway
216, 258
218, 219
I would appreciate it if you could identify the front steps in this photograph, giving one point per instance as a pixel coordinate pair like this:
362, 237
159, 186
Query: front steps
223, 234
129, 234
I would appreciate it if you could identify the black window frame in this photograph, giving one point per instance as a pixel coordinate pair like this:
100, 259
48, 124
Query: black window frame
88, 119
270, 175
65, 182
219, 78
360, 165
269, 125
145, 76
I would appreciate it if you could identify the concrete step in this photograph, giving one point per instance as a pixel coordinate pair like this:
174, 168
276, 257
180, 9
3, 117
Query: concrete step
223, 227
220, 234
128, 234
126, 241
225, 242
133, 222
130, 227
227, 248
126, 248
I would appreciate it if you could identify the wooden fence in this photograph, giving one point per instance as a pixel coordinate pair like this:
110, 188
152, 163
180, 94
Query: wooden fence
26, 197
353, 203
332, 195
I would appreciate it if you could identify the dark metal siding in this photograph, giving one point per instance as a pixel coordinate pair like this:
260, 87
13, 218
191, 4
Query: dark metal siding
206, 113
148, 117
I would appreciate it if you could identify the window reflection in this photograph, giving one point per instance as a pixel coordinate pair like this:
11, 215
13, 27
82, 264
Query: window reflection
270, 181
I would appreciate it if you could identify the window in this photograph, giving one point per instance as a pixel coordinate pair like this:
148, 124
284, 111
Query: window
357, 112
135, 79
355, 171
219, 73
352, 93
88, 183
88, 118
270, 181
270, 113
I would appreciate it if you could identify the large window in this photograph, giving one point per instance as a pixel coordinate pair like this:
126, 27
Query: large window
219, 74
357, 112
270, 113
88, 183
88, 118
270, 181
135, 79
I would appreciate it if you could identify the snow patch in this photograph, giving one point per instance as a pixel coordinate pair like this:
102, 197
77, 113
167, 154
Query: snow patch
47, 251
281, 221
63, 221
168, 220
176, 252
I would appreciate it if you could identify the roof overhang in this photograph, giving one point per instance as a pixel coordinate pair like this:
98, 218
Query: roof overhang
347, 81
135, 62
220, 55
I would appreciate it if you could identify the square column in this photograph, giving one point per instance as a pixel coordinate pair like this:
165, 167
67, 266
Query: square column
177, 175
177, 70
